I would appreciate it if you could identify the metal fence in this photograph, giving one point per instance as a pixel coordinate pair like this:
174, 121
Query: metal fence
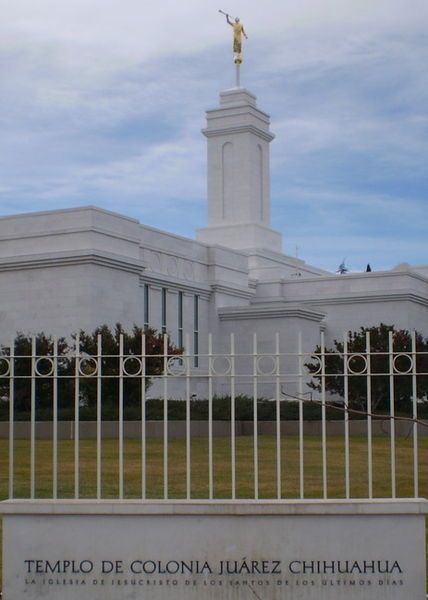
278, 464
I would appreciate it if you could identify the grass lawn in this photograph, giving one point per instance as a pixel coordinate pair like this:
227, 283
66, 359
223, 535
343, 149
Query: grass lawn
222, 468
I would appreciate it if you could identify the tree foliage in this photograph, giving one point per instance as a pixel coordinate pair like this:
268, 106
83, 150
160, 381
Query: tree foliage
23, 366
380, 368
87, 367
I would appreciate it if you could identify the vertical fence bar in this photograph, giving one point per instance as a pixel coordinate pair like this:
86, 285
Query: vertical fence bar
278, 417
11, 417
210, 418
392, 412
415, 417
165, 416
188, 423
143, 419
76, 417
255, 421
369, 416
301, 438
33, 420
323, 418
55, 421
121, 375
99, 399
232, 415
346, 421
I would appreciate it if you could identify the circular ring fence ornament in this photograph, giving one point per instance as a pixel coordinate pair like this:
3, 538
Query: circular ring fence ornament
88, 366
403, 357
44, 366
357, 358
176, 366
4, 366
132, 366
221, 368
317, 359
266, 364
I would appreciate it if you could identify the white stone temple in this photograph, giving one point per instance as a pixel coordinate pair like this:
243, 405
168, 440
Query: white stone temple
78, 268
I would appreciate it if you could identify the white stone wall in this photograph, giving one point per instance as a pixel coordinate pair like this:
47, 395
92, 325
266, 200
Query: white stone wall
65, 270
61, 300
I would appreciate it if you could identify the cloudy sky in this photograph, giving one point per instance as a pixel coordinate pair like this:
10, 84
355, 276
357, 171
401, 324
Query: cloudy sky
102, 102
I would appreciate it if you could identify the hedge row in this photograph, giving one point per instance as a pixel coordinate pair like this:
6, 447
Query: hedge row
266, 411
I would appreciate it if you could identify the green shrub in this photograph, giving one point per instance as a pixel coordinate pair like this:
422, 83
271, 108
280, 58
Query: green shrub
266, 411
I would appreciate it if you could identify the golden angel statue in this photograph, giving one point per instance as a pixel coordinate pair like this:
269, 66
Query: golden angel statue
238, 32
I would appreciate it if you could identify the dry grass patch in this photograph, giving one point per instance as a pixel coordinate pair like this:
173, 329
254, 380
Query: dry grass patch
222, 469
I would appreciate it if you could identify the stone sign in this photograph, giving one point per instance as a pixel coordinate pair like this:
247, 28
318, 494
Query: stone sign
287, 551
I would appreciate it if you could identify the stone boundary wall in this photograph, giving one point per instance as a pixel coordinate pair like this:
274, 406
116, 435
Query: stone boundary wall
206, 550
177, 429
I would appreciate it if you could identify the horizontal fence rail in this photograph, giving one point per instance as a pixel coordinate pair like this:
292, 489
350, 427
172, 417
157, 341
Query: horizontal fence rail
387, 386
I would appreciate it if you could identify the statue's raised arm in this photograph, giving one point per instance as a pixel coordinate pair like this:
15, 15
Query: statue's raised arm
238, 32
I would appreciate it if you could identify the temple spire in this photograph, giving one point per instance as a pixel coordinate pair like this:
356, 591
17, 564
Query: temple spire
238, 137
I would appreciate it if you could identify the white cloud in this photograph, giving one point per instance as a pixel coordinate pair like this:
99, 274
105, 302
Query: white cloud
101, 100
131, 30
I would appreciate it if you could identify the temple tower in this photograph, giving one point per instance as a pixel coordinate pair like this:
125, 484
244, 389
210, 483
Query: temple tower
238, 139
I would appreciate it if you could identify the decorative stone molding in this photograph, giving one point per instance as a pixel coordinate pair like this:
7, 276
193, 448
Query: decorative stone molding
269, 312
63, 259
